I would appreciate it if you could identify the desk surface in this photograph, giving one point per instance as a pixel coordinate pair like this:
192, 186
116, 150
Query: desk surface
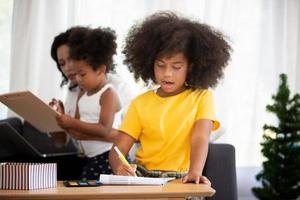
172, 190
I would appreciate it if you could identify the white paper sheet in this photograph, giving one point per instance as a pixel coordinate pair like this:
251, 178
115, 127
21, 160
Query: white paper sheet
132, 180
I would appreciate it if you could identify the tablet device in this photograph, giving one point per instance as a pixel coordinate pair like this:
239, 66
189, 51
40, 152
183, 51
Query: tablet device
32, 109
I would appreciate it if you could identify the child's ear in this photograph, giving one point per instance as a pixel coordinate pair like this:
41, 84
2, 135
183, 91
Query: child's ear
102, 69
189, 72
190, 68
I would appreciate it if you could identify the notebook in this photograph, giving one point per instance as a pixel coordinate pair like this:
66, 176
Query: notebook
32, 109
10, 137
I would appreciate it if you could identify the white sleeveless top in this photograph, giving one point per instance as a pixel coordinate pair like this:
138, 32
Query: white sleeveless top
89, 109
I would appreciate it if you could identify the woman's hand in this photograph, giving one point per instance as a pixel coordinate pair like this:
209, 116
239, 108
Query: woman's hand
125, 170
195, 178
57, 105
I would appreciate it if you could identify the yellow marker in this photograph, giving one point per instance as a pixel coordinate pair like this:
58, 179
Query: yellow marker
122, 158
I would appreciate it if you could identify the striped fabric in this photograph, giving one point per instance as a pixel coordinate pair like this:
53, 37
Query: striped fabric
27, 176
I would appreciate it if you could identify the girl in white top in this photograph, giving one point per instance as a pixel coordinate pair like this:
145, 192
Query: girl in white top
60, 54
91, 52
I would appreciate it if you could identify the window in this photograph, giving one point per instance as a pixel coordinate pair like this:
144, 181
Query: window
6, 8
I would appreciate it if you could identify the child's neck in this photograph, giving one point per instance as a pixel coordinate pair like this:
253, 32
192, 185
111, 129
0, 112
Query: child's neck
96, 89
162, 93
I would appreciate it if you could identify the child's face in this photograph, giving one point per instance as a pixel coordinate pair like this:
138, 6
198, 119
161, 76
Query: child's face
170, 73
87, 78
65, 63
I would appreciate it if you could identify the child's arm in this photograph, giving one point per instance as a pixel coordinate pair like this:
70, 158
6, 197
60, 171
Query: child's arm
110, 105
199, 150
124, 142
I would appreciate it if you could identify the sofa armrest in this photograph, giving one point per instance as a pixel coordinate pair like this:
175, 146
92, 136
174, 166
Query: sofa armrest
221, 171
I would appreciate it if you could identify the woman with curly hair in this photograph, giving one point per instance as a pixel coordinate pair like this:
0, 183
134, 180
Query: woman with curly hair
91, 54
172, 123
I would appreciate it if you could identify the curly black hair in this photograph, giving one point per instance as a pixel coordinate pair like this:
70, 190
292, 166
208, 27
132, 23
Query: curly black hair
94, 46
164, 34
59, 40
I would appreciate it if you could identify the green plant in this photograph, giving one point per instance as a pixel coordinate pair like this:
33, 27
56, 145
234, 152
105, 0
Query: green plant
280, 176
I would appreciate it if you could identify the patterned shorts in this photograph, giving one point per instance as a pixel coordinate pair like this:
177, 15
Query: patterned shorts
142, 171
95, 166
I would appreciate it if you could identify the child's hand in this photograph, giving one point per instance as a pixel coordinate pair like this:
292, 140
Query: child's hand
64, 121
57, 105
124, 170
196, 178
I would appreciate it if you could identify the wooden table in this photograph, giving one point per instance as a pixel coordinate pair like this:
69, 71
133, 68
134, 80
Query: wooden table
172, 190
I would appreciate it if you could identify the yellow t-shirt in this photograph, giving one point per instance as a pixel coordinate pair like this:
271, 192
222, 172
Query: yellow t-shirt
163, 127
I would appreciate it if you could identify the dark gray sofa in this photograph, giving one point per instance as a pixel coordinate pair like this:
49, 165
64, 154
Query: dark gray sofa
221, 171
